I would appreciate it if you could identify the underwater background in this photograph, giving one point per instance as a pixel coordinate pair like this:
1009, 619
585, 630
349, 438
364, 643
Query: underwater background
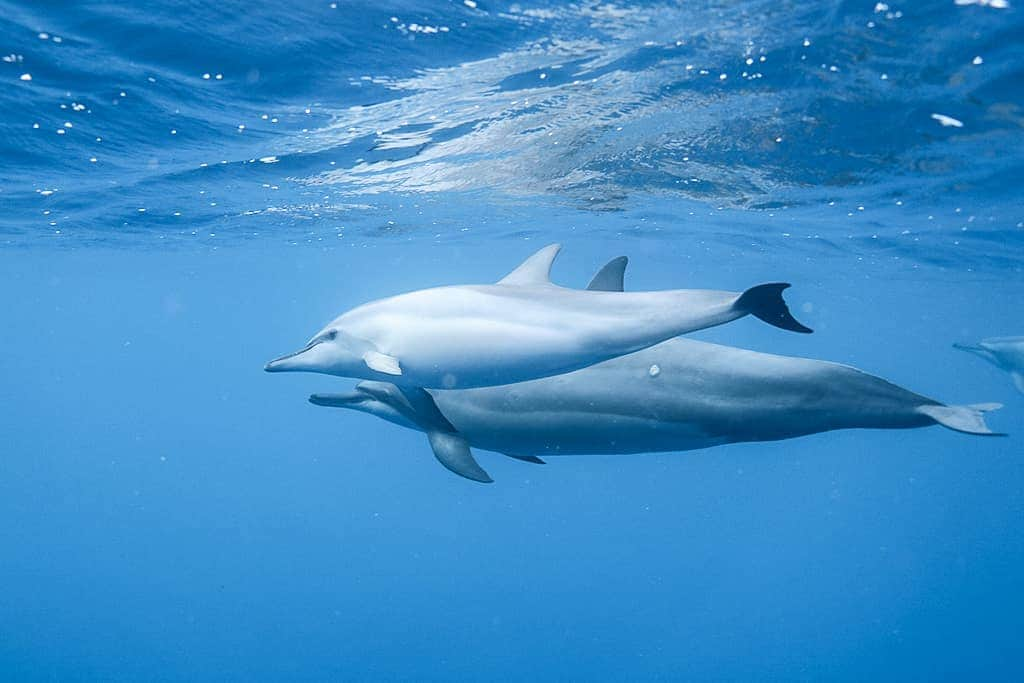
188, 189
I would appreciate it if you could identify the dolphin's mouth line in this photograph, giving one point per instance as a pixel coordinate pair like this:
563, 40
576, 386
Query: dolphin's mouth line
270, 364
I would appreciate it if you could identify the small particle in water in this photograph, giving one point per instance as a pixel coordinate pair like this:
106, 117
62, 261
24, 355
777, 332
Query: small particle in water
177, 213
58, 39
142, 211
884, 77
44, 36
26, 77
123, 94
241, 127
542, 76
469, 3
92, 159
948, 120
881, 7
67, 124
722, 77
269, 160
219, 77
206, 77
35, 125
807, 43
654, 370
60, 131
273, 120
778, 139
307, 110
977, 61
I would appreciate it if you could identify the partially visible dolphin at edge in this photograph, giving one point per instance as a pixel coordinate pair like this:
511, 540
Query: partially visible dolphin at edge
1006, 353
522, 328
679, 395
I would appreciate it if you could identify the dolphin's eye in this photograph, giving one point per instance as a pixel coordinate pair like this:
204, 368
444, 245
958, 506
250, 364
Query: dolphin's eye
331, 336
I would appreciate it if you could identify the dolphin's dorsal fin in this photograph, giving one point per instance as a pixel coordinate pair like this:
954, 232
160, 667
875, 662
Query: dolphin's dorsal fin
452, 451
610, 277
535, 270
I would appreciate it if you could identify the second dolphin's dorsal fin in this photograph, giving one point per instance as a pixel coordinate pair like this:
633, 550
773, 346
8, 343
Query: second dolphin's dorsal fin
535, 270
610, 277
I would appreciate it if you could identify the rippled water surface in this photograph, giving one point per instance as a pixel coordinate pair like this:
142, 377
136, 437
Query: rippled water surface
188, 189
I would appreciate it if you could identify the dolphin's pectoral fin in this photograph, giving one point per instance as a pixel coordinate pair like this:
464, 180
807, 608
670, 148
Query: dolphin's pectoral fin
966, 419
428, 416
452, 451
766, 303
535, 270
610, 277
381, 362
1018, 381
526, 458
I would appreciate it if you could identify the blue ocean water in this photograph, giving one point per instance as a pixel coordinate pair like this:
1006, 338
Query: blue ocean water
188, 189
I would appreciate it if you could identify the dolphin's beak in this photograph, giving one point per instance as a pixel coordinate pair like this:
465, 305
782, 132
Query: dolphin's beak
291, 362
345, 400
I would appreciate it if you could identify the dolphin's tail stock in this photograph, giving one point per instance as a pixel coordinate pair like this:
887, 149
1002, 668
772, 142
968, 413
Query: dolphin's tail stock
766, 302
966, 419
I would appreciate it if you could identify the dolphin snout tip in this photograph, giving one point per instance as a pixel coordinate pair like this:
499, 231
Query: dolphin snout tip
271, 366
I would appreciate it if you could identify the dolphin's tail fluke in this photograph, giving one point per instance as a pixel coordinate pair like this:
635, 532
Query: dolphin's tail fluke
966, 419
766, 302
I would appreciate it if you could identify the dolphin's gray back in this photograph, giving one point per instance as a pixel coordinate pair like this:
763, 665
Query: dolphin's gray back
678, 395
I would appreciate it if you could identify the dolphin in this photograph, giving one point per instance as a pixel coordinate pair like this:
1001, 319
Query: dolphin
1006, 353
679, 395
522, 328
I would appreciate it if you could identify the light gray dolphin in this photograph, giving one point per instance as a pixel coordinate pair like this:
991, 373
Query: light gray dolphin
679, 395
522, 328
1006, 353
